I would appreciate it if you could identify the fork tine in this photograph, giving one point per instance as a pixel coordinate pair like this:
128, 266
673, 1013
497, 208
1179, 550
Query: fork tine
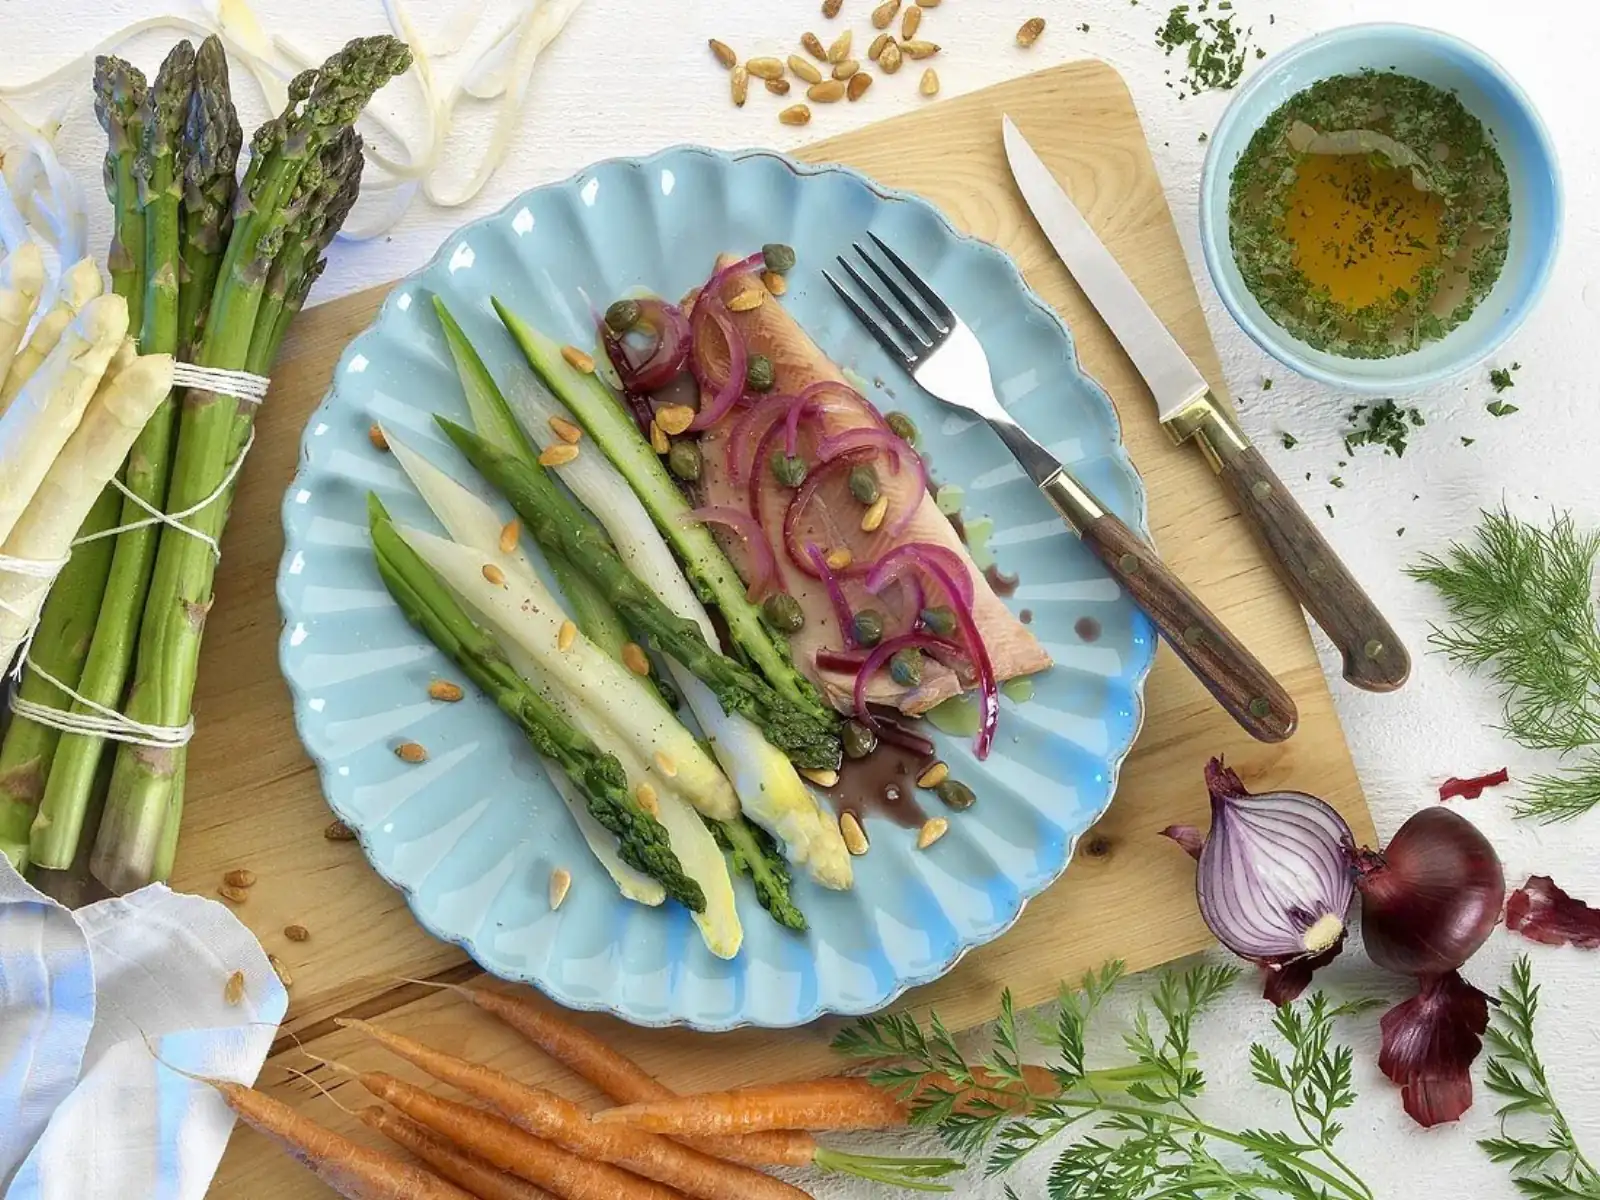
931, 327
890, 346
927, 293
914, 339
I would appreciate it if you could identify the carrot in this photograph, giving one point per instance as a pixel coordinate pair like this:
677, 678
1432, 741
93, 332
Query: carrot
626, 1082
509, 1148
478, 1177
356, 1172
838, 1102
561, 1121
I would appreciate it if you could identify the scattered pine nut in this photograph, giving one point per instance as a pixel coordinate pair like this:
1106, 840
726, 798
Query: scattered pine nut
805, 70
724, 53
927, 3
567, 634
765, 68
666, 765
934, 776
911, 22
281, 970
839, 49
510, 535
233, 990
240, 877
443, 689
930, 80
752, 297
675, 418
813, 46
823, 777
828, 92
885, 13
839, 559
494, 574
739, 85
873, 517
297, 933
857, 88
932, 830
855, 837
557, 455
338, 831
375, 436
774, 283
635, 659
658, 438
411, 752
560, 884
232, 894
778, 87
578, 360
830, 8
916, 48
875, 51
566, 430
646, 796
889, 59
796, 114
1030, 31
846, 70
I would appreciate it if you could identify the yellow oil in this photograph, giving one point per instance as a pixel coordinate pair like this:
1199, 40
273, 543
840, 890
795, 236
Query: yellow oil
1360, 231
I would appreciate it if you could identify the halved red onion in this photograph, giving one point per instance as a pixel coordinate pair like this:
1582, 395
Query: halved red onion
756, 417
710, 310
841, 606
738, 267
1273, 883
808, 489
881, 441
882, 653
919, 557
896, 734
763, 564
758, 476
1429, 1042
1542, 911
668, 353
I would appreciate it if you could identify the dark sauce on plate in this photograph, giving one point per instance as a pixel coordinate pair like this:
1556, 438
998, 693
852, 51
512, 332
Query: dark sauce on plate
1087, 628
883, 784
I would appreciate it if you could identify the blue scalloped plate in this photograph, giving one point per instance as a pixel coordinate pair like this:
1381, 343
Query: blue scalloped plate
472, 835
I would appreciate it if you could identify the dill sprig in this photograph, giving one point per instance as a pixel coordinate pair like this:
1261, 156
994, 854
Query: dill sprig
1551, 1166
1137, 1131
1522, 609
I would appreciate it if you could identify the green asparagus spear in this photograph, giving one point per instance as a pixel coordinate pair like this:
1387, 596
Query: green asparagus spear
212, 432
61, 643
429, 605
212, 139
809, 739
753, 852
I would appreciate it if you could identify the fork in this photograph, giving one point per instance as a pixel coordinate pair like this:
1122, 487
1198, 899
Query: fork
942, 354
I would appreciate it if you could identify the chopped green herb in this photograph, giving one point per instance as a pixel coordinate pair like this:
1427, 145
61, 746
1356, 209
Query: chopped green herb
1500, 378
1383, 424
1329, 507
1466, 441
1336, 480
1289, 441
1266, 384
1401, 532
1215, 53
1499, 408
1084, 28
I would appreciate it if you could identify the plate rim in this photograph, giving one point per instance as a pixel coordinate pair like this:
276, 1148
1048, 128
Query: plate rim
1114, 762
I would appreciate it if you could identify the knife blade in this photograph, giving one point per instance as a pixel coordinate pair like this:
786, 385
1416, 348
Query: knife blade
1373, 657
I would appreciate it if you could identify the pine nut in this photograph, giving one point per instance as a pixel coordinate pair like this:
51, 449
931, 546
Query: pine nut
565, 636
558, 454
774, 283
828, 92
797, 114
823, 777
376, 437
297, 933
1030, 31
765, 68
233, 990
560, 884
443, 689
752, 297
855, 837
658, 438
934, 776
566, 430
635, 659
578, 360
666, 765
240, 878
804, 69
675, 418
724, 53
646, 796
885, 13
857, 88
839, 49
233, 895
281, 970
813, 46
930, 81
739, 86
873, 517
411, 752
510, 535
494, 574
911, 22
932, 830
839, 559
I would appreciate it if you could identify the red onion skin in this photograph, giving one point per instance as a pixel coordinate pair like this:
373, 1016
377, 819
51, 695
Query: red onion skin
1429, 1044
1542, 912
1471, 789
1431, 897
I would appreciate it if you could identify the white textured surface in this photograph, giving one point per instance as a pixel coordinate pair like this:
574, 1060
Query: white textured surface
630, 76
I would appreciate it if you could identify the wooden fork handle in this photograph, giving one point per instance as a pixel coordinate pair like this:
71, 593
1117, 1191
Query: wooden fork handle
1233, 675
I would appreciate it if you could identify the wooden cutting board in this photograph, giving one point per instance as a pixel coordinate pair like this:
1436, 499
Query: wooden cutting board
253, 796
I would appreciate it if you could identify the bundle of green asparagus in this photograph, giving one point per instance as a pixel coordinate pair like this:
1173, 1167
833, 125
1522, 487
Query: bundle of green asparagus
215, 271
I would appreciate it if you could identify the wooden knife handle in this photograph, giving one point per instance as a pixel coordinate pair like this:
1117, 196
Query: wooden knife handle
1244, 687
1374, 659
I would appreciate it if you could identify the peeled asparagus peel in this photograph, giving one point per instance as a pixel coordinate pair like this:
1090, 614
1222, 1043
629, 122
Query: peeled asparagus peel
21, 282
50, 405
90, 458
80, 283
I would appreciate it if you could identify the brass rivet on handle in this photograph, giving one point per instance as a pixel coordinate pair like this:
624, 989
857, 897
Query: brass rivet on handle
1261, 707
1195, 635
1261, 489
1375, 649
1129, 564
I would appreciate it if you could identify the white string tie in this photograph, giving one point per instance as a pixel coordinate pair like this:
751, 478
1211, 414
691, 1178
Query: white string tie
241, 385
100, 722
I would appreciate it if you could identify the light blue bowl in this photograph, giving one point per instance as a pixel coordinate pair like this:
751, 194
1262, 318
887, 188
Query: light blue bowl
1492, 96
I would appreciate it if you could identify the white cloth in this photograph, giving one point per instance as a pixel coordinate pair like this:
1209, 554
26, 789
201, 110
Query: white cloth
98, 1118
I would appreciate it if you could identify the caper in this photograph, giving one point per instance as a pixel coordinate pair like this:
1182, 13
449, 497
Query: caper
902, 426
683, 460
864, 484
623, 316
939, 621
790, 469
783, 613
758, 375
778, 257
868, 627
955, 794
905, 667
859, 741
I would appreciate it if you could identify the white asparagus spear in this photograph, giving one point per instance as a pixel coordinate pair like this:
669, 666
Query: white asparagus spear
92, 455
80, 284
50, 405
21, 281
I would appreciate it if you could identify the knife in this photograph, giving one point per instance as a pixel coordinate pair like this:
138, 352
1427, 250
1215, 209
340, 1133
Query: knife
1374, 658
